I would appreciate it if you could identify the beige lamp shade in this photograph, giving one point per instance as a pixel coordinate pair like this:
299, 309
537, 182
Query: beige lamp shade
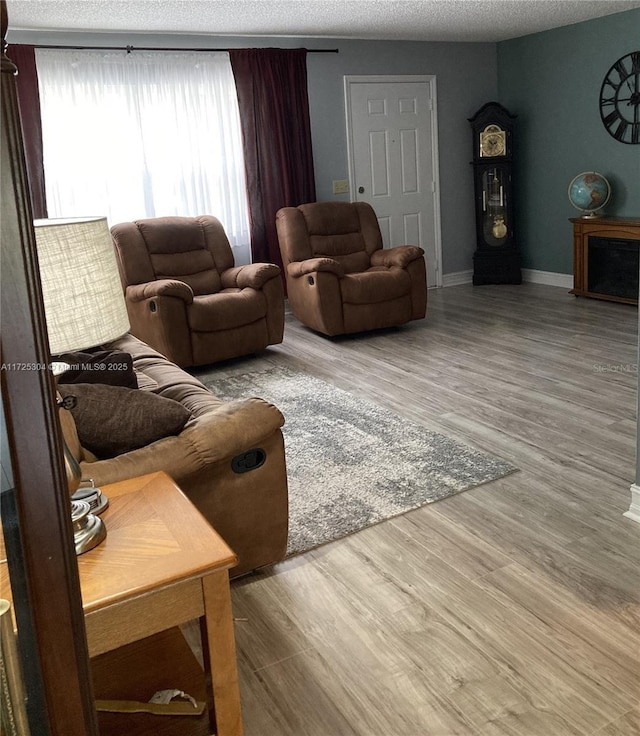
83, 299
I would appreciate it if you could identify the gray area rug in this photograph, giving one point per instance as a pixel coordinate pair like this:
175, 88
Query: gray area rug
351, 463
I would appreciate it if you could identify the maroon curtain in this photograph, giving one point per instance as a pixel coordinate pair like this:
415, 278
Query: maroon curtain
24, 57
276, 131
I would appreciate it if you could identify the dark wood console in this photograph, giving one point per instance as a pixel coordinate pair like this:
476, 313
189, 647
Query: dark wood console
605, 258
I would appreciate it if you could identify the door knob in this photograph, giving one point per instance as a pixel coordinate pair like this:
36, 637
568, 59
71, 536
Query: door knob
360, 190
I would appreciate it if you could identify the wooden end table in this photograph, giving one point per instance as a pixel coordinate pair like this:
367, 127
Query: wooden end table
160, 566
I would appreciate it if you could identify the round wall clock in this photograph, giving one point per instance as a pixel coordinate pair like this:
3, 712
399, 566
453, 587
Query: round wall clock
620, 99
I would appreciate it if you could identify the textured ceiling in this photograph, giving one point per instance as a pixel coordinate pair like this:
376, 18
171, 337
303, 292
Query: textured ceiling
420, 20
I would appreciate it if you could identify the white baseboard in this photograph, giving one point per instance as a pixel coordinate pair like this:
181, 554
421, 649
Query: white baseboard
457, 278
531, 275
550, 278
634, 510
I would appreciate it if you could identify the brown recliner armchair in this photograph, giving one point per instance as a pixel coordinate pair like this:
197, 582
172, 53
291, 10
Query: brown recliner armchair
339, 277
185, 297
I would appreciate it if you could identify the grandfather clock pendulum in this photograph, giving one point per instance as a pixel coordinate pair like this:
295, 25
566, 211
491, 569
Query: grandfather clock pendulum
497, 259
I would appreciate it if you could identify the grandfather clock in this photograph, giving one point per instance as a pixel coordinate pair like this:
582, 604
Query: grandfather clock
497, 259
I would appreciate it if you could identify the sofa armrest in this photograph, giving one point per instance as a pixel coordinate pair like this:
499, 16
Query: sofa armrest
162, 287
312, 265
252, 275
400, 256
226, 431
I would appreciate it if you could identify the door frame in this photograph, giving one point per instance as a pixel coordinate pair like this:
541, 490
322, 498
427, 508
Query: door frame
430, 80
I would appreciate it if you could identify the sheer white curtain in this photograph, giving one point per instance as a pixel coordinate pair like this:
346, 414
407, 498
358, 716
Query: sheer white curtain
141, 135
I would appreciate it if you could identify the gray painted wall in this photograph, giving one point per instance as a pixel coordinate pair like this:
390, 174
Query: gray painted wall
552, 81
466, 78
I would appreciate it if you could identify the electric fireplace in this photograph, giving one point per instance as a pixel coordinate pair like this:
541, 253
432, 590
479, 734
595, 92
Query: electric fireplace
606, 258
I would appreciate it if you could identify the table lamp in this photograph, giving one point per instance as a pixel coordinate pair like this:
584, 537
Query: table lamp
84, 307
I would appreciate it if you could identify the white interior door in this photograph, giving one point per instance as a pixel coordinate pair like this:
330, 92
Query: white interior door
392, 144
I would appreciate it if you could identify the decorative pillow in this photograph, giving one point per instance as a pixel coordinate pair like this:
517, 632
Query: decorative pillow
114, 368
112, 420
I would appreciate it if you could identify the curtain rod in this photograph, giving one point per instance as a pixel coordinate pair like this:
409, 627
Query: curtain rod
129, 49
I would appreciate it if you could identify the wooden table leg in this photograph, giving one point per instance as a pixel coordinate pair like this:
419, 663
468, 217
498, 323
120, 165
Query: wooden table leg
221, 654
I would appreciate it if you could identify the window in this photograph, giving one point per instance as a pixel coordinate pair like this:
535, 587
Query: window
141, 135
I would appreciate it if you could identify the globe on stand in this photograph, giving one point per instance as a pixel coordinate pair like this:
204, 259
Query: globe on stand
589, 192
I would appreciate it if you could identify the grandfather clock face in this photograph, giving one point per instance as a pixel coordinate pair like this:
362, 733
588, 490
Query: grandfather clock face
493, 142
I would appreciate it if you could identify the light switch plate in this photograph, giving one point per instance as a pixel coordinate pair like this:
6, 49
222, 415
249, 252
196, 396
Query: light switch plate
340, 186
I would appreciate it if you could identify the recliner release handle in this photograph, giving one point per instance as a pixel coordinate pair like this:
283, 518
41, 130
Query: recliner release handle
249, 460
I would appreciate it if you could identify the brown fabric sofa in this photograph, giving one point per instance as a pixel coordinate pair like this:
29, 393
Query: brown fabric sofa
248, 507
187, 299
339, 277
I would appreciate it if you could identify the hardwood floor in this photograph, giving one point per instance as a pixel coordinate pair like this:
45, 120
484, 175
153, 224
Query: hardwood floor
513, 608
